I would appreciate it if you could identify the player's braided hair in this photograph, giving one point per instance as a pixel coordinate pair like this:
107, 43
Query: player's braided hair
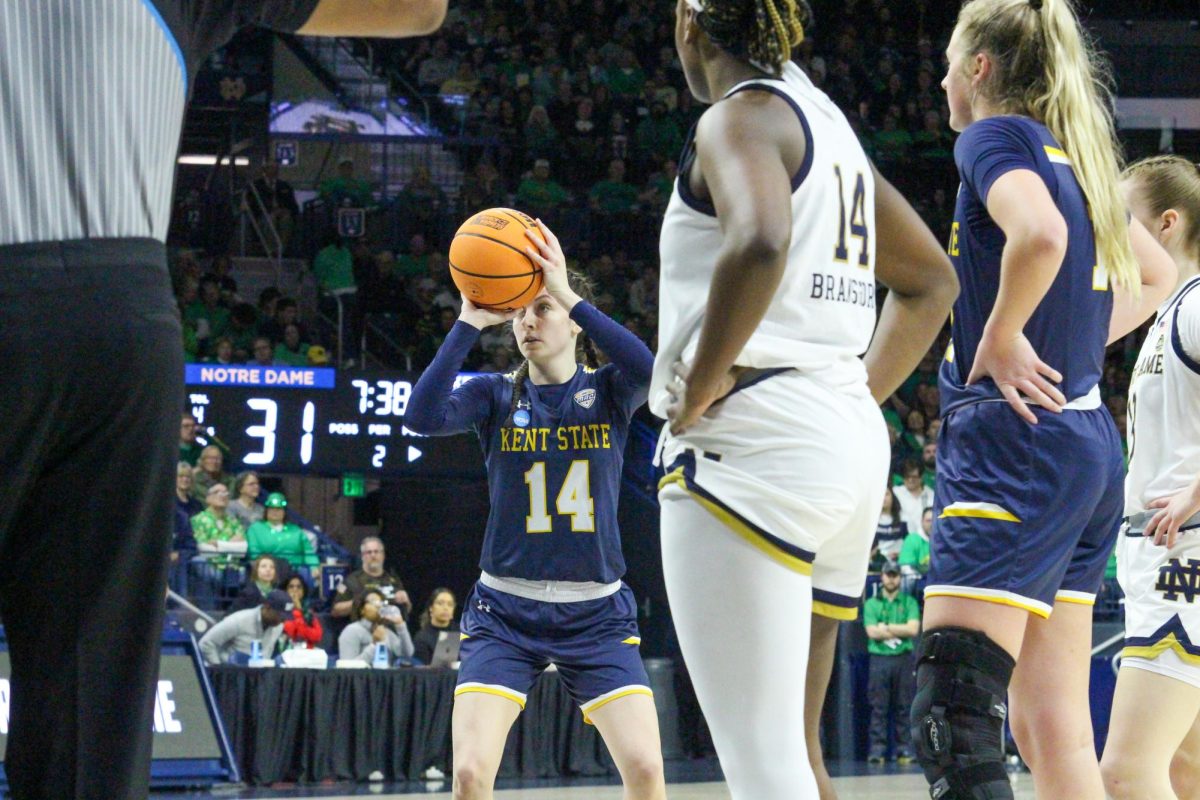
761, 31
585, 349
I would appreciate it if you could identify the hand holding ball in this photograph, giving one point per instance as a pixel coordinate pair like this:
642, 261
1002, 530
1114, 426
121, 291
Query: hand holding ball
488, 260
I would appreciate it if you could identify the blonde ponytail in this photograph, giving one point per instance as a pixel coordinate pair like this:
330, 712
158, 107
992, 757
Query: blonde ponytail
1047, 68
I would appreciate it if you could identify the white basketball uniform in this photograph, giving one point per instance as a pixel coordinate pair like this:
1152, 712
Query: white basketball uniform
795, 461
1162, 587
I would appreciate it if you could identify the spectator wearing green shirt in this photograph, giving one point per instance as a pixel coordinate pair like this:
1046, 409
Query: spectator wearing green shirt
291, 352
929, 462
539, 194
914, 553
334, 267
215, 523
932, 142
346, 190
206, 314
613, 195
414, 264
913, 437
892, 619
189, 448
275, 536
613, 202
658, 136
892, 142
626, 79
243, 327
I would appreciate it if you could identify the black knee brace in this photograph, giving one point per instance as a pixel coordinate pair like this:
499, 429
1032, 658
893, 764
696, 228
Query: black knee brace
958, 714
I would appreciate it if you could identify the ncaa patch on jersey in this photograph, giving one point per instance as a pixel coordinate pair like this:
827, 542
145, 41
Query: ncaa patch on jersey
586, 397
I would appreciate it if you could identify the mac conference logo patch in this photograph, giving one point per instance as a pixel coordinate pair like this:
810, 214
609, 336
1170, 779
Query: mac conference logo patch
586, 397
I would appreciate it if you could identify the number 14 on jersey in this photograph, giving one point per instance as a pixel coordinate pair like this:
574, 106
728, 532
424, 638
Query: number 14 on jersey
858, 220
574, 499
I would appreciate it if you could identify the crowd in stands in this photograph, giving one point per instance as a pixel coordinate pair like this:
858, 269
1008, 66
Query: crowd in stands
277, 608
583, 124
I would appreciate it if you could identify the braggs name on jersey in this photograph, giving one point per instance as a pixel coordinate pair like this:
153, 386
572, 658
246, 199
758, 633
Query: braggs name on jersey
839, 289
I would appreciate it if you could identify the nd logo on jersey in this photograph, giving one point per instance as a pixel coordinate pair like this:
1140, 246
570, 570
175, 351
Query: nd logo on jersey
1176, 578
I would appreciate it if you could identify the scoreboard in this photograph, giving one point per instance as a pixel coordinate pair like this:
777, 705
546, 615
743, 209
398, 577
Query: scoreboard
321, 421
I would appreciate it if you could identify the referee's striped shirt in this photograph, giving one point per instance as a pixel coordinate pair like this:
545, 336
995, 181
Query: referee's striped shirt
92, 96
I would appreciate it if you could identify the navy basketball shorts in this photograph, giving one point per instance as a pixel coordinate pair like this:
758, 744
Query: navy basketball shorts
1025, 515
594, 644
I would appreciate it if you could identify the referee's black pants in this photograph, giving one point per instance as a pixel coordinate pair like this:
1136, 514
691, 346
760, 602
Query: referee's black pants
91, 387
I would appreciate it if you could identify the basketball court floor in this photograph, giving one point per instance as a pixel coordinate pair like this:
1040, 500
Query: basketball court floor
894, 787
697, 780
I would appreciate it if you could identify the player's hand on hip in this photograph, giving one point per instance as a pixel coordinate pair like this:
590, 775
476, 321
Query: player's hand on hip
546, 252
1012, 364
481, 318
688, 403
1174, 511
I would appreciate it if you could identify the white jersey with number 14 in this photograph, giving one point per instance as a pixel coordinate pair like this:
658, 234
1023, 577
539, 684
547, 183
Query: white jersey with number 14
823, 313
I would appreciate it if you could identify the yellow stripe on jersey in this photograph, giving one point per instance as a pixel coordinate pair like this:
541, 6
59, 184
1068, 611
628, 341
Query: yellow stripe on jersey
1056, 155
979, 511
991, 596
830, 611
632, 640
1168, 642
735, 523
462, 636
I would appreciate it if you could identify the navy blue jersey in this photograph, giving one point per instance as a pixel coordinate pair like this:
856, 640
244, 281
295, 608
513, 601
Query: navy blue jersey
1069, 328
554, 466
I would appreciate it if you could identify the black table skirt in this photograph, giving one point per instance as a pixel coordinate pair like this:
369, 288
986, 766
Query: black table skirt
310, 725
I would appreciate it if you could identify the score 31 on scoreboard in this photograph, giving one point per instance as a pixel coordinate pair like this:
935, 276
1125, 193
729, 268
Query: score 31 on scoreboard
319, 421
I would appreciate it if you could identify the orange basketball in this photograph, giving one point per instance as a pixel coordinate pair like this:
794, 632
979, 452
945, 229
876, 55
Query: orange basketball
488, 260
